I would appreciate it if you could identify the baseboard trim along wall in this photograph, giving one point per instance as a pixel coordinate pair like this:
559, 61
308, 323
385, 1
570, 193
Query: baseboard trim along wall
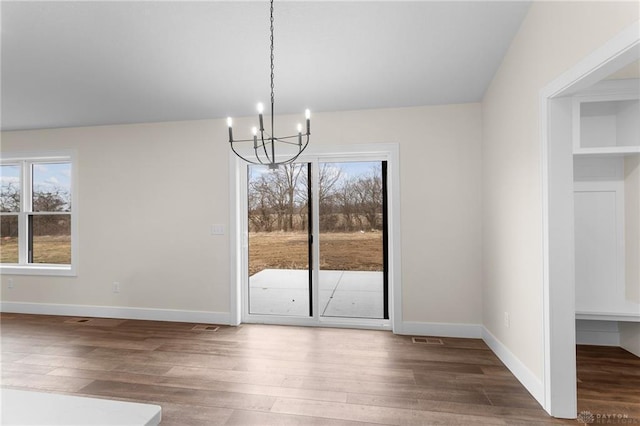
523, 374
115, 312
472, 331
599, 333
475, 331
597, 338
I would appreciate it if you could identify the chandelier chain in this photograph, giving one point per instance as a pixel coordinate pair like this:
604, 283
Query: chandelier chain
271, 39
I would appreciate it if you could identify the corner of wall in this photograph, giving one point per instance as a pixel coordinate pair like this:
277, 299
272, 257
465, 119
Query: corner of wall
528, 379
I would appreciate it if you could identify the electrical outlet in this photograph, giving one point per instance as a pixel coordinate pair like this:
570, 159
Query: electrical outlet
116, 287
10, 282
507, 320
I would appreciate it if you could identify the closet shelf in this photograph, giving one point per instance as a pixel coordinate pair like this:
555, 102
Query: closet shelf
608, 316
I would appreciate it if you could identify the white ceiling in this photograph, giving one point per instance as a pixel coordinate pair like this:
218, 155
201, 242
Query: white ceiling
91, 63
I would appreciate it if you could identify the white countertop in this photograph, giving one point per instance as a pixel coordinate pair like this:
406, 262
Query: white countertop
40, 408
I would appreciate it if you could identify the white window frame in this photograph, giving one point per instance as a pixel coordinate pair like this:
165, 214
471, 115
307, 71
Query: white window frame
25, 160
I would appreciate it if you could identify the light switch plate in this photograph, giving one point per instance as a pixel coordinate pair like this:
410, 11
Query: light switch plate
217, 229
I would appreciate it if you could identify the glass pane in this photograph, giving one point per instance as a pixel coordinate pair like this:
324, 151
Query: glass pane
351, 240
51, 239
279, 240
9, 238
51, 187
10, 188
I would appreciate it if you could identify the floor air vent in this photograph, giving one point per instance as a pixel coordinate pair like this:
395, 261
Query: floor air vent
427, 340
205, 327
77, 320
96, 322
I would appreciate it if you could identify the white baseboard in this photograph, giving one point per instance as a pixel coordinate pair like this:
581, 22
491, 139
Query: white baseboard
523, 374
115, 312
599, 333
472, 331
598, 338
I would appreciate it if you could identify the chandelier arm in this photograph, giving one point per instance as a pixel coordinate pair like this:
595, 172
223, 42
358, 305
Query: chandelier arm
258, 155
241, 140
302, 148
255, 153
288, 142
245, 159
271, 160
268, 159
292, 159
262, 132
295, 157
283, 139
264, 147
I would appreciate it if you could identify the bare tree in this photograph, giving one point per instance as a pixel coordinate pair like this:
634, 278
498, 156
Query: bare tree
368, 193
260, 209
346, 203
276, 197
51, 200
328, 176
291, 175
279, 199
10, 198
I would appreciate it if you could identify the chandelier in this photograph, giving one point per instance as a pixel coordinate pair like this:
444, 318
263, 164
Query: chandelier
267, 148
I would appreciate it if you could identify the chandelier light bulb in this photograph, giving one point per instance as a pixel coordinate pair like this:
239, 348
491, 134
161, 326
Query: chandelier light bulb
229, 123
254, 130
307, 114
299, 128
260, 110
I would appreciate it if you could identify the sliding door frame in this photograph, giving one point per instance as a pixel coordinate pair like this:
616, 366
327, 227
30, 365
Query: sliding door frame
239, 301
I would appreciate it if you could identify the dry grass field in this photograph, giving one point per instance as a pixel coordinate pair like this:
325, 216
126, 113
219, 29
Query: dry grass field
344, 251
281, 250
46, 249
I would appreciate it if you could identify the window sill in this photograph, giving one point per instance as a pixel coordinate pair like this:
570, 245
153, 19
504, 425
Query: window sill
50, 270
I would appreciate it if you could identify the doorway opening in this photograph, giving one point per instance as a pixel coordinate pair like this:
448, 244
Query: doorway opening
317, 243
559, 295
350, 278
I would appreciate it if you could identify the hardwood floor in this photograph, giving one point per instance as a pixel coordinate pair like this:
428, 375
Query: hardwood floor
276, 375
609, 383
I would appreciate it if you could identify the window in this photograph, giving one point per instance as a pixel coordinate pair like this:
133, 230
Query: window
37, 221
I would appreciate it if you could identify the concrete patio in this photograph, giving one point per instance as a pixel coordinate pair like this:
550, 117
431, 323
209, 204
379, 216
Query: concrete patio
351, 294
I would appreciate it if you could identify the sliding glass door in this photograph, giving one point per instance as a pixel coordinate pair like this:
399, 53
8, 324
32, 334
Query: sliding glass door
279, 240
317, 241
352, 230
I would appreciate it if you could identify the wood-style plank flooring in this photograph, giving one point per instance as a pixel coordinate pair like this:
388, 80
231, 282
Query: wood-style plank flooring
609, 384
276, 375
